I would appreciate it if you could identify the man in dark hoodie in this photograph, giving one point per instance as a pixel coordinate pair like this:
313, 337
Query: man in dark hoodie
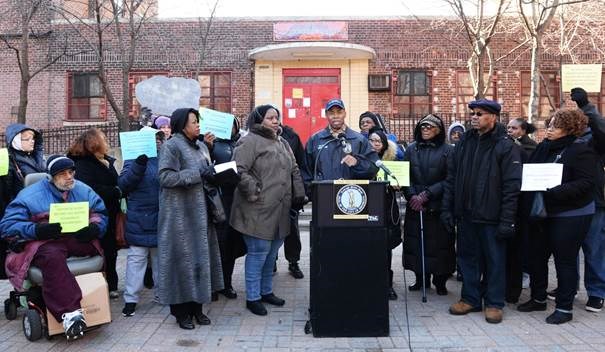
481, 190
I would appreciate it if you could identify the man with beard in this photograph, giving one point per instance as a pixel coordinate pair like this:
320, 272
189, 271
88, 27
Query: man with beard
35, 241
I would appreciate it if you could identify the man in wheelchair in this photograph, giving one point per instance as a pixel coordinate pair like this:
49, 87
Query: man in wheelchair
33, 241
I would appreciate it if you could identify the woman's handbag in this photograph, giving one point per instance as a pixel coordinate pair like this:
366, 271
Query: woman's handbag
121, 226
538, 208
214, 204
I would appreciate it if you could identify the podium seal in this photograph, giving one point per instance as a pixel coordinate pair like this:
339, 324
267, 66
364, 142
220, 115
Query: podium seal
351, 199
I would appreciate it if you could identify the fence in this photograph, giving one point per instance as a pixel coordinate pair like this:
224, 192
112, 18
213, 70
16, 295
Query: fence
58, 140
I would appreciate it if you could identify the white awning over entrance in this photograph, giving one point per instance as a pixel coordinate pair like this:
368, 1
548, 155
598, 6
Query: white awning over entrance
312, 51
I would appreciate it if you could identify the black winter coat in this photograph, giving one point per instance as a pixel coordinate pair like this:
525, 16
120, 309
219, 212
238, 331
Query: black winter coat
484, 177
104, 181
595, 137
428, 171
577, 185
295, 144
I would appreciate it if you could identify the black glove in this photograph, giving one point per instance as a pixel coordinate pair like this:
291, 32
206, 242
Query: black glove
227, 178
299, 202
88, 233
207, 172
142, 160
48, 231
447, 219
580, 96
506, 230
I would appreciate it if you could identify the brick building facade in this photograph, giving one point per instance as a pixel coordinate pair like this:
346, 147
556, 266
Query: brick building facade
414, 66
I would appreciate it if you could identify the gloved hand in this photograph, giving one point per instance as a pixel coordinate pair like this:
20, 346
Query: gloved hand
299, 202
423, 197
142, 160
447, 219
48, 231
17, 246
580, 96
505, 230
207, 172
416, 203
88, 233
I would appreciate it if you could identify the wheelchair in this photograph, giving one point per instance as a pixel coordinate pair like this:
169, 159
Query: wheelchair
35, 322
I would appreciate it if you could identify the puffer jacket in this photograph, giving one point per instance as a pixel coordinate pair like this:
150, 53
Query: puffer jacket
428, 167
22, 163
141, 185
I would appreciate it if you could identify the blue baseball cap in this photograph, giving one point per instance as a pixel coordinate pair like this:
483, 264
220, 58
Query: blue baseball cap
488, 105
335, 102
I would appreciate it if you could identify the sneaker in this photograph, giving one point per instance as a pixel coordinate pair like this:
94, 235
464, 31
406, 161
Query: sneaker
552, 295
128, 310
295, 271
74, 324
531, 306
594, 304
114, 294
558, 317
525, 283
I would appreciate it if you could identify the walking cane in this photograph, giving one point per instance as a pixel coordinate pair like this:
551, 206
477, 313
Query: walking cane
422, 258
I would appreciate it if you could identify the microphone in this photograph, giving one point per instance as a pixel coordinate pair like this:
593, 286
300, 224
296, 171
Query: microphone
381, 165
346, 146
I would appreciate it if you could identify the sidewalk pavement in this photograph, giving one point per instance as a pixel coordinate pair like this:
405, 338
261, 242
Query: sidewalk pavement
236, 329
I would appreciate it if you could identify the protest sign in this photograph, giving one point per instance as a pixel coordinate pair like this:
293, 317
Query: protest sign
72, 216
163, 95
401, 170
583, 76
539, 177
216, 122
3, 161
136, 143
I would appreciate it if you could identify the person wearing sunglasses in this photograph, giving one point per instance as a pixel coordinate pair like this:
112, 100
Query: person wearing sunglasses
480, 195
428, 169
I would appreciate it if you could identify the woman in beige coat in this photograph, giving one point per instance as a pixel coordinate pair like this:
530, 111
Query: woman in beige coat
270, 184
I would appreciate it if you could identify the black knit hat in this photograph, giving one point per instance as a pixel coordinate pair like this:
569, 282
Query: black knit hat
57, 163
257, 115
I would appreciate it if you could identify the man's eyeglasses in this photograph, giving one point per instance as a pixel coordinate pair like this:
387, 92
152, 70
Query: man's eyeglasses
478, 113
426, 126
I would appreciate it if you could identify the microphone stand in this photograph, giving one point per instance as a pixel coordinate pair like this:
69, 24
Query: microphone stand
317, 157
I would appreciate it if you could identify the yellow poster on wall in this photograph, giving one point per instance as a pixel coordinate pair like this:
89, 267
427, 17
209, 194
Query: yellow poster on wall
297, 93
583, 76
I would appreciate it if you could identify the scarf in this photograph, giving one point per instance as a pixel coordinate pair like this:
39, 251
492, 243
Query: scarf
545, 150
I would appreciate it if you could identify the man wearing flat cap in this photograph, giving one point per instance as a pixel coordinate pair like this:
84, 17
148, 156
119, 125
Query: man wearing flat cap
338, 152
480, 196
37, 242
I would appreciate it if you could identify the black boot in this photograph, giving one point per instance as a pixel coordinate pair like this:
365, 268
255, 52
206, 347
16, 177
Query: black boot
418, 285
273, 299
256, 307
185, 323
531, 306
295, 271
228, 292
199, 316
558, 317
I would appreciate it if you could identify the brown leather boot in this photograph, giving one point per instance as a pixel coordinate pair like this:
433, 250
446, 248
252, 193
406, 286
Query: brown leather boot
493, 315
462, 308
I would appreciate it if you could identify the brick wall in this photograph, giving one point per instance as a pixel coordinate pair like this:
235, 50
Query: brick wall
171, 45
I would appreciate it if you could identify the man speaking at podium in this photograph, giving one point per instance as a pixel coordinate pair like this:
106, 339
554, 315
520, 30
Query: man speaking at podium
338, 152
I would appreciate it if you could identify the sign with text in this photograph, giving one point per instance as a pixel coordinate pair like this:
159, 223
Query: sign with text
219, 123
72, 216
584, 76
310, 31
540, 177
136, 143
401, 170
3, 161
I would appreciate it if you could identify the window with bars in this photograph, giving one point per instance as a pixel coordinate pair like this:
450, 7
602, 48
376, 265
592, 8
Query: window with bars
86, 101
549, 93
413, 93
216, 90
465, 93
133, 79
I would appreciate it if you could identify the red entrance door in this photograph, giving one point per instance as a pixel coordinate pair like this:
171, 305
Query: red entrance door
305, 94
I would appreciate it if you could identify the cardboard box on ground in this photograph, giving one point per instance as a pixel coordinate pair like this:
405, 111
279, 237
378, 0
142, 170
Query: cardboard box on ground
95, 303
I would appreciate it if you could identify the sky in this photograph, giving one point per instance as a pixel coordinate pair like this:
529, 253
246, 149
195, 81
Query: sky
315, 8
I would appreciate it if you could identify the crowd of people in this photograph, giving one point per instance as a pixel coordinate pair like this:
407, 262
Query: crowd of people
464, 210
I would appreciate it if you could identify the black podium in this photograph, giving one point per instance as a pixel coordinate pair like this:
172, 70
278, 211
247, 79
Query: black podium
349, 268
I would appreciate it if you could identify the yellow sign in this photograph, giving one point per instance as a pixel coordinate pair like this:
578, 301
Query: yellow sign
72, 216
3, 162
583, 76
401, 170
297, 93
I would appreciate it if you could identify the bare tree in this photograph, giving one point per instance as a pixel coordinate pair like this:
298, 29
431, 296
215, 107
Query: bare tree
113, 21
204, 44
536, 17
25, 13
479, 30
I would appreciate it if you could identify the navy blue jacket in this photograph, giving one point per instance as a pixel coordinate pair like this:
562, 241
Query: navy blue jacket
328, 164
142, 188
